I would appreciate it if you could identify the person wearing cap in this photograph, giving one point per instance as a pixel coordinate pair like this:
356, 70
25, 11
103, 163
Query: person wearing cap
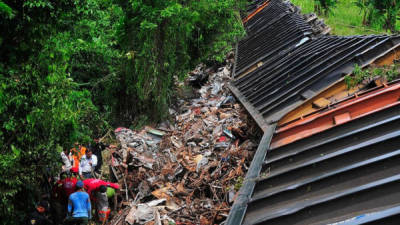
79, 207
38, 217
87, 165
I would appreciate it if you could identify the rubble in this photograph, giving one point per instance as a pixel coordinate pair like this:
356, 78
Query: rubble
187, 172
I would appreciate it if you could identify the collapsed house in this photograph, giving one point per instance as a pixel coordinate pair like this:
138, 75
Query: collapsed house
329, 154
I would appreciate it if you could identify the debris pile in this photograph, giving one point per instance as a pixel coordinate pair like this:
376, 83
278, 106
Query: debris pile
189, 172
317, 25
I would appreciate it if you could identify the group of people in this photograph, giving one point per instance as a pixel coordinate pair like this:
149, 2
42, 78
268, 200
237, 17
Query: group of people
78, 193
85, 160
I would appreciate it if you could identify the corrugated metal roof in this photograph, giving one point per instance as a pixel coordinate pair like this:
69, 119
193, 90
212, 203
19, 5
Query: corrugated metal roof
253, 5
270, 15
342, 174
276, 20
290, 77
333, 176
346, 174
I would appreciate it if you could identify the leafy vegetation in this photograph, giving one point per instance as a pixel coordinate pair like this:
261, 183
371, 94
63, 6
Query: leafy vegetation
346, 18
324, 6
162, 40
380, 11
359, 75
69, 68
42, 108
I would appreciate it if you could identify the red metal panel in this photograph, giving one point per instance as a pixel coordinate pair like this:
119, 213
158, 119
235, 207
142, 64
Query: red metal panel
343, 112
342, 118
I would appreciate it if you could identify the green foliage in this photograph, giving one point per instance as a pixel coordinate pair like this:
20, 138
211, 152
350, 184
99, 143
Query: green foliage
347, 19
238, 183
370, 14
42, 108
359, 75
70, 67
324, 6
6, 11
163, 40
356, 77
40, 111
378, 11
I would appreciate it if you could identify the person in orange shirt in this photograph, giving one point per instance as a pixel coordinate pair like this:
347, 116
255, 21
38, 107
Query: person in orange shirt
77, 152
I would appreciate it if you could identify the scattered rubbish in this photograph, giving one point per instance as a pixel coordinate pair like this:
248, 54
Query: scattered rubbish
228, 101
216, 88
221, 145
155, 131
198, 77
183, 172
229, 134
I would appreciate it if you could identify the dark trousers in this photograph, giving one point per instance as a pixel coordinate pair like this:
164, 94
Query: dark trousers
77, 221
87, 175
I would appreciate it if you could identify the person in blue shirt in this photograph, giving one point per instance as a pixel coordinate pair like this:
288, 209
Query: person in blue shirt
79, 208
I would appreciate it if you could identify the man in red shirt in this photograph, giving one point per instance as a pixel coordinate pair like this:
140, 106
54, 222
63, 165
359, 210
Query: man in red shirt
69, 186
92, 185
65, 187
61, 192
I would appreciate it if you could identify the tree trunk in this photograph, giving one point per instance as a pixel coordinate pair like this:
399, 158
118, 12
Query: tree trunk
317, 8
390, 23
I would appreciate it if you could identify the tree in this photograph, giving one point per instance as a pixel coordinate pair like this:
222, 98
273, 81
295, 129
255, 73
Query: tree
368, 11
391, 9
68, 68
324, 6
374, 10
163, 40
42, 109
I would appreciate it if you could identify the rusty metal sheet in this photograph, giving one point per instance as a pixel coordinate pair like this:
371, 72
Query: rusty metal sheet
301, 74
354, 107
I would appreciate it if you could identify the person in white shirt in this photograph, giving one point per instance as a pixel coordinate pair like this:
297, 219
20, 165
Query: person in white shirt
87, 164
66, 160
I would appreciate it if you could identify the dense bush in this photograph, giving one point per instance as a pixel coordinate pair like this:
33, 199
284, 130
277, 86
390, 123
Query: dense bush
68, 68
42, 108
164, 39
324, 6
380, 11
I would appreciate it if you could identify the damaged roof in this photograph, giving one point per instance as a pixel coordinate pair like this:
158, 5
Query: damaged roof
275, 20
287, 78
336, 175
344, 169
